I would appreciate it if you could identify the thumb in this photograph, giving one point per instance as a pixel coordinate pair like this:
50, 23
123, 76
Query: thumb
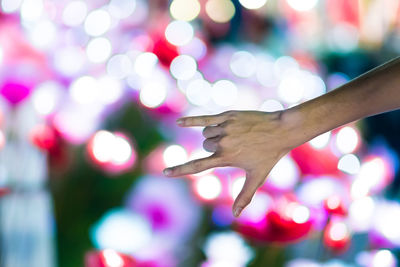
252, 183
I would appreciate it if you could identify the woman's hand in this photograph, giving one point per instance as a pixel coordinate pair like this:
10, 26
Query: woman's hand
251, 140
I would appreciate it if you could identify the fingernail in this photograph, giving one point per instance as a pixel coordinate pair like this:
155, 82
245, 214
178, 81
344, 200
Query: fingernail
237, 212
179, 121
167, 171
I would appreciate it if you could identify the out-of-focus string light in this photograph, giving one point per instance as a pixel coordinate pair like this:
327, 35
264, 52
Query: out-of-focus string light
145, 64
208, 187
198, 92
119, 66
110, 90
183, 84
10, 6
220, 11
265, 73
361, 212
186, 10
179, 32
303, 5
183, 67
292, 86
349, 164
174, 155
237, 186
253, 4
121, 9
384, 258
321, 141
74, 13
153, 94
31, 10
347, 140
98, 49
46, 96
336, 235
271, 105
84, 90
224, 93
227, 248
284, 175
70, 60
112, 259
243, 64
122, 231
195, 48
97, 23
43, 34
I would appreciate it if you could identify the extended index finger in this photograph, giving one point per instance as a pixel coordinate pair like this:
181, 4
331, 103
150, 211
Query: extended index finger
205, 120
194, 166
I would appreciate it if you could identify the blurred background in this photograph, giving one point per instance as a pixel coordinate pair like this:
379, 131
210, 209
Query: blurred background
90, 91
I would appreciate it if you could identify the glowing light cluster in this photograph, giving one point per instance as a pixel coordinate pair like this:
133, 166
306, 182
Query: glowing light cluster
111, 151
174, 155
208, 187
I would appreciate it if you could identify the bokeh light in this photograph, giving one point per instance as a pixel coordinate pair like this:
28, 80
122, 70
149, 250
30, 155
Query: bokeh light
98, 49
220, 11
224, 93
179, 32
97, 22
74, 13
208, 187
186, 10
183, 67
253, 4
303, 5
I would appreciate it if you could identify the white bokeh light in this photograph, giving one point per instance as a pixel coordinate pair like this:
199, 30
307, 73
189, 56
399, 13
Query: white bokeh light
74, 13
98, 50
153, 94
31, 10
338, 231
349, 164
284, 175
183, 67
271, 105
347, 140
253, 4
208, 187
1, 55
69, 60
122, 231
84, 90
103, 142
112, 259
179, 32
243, 64
224, 93
110, 90
186, 10
145, 64
174, 155
119, 66
195, 48
237, 186
46, 97
361, 212
292, 86
122, 150
97, 23
43, 34
300, 214
10, 6
384, 258
121, 9
303, 5
321, 141
198, 92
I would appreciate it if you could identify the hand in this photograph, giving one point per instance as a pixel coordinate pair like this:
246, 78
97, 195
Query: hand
251, 140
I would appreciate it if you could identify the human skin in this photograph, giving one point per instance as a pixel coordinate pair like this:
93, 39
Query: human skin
256, 140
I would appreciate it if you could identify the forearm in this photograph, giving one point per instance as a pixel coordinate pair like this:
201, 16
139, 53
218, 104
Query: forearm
374, 92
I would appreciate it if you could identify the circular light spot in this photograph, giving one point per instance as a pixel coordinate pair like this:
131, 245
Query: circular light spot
46, 97
103, 142
84, 90
208, 187
347, 140
384, 258
186, 10
292, 87
179, 32
300, 214
121, 9
122, 150
271, 105
110, 90
74, 13
174, 155
43, 34
253, 4
198, 92
112, 259
220, 11
224, 93
119, 66
349, 164
145, 64
303, 5
183, 67
153, 94
237, 186
195, 48
97, 23
321, 141
98, 50
338, 231
69, 60
243, 64
31, 10
10, 6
